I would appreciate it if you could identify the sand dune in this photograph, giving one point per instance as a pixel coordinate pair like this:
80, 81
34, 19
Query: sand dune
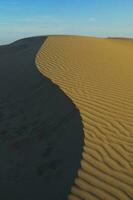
97, 75
39, 125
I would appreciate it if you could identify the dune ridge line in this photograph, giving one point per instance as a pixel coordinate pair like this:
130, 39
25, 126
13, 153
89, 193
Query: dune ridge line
97, 75
38, 122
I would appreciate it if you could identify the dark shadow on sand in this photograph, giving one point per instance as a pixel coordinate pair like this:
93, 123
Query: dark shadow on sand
41, 131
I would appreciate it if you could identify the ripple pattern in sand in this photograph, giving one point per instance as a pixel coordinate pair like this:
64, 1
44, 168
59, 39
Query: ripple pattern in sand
97, 75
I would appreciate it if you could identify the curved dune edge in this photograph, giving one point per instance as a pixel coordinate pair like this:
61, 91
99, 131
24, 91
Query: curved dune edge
97, 75
39, 125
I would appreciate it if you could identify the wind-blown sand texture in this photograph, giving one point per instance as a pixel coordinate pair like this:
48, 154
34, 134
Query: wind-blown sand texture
97, 74
39, 125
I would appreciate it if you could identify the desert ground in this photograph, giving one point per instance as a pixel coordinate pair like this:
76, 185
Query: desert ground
41, 131
97, 75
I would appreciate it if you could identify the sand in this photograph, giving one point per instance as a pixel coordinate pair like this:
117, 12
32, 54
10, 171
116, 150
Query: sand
39, 126
97, 75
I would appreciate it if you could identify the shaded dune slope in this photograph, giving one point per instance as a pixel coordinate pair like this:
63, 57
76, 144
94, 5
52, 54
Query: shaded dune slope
97, 75
39, 126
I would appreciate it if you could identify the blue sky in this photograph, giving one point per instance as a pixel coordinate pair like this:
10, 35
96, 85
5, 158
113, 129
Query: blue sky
24, 18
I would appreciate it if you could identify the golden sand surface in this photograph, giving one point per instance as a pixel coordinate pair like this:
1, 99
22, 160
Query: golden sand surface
97, 74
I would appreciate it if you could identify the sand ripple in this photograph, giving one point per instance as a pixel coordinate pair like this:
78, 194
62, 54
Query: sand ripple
97, 75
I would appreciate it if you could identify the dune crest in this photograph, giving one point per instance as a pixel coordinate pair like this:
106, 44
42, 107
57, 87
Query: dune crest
38, 122
97, 75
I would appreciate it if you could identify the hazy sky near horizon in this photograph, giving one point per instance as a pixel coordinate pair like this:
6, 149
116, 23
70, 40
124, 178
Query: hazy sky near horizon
25, 18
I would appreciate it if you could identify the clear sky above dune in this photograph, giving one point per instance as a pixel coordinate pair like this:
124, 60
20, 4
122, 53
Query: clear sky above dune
23, 18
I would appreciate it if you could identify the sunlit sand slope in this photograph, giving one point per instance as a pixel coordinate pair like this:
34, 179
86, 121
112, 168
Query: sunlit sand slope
97, 74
